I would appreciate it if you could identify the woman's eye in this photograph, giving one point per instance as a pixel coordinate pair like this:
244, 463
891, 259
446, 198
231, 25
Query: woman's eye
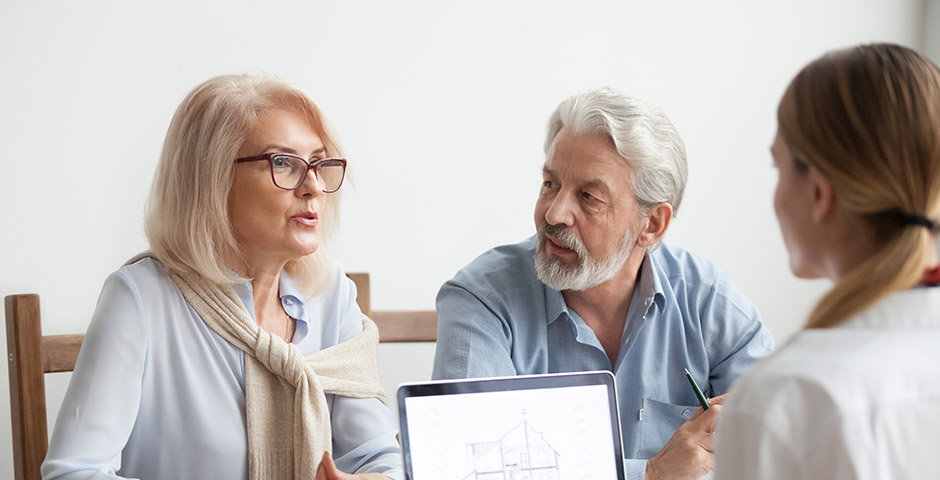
279, 161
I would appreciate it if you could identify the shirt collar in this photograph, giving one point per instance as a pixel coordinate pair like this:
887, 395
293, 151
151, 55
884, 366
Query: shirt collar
293, 303
554, 304
650, 285
291, 299
649, 288
913, 308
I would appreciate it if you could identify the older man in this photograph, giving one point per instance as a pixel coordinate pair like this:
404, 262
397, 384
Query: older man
594, 289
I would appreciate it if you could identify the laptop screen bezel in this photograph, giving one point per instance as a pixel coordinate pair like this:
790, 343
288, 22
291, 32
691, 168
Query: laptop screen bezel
501, 384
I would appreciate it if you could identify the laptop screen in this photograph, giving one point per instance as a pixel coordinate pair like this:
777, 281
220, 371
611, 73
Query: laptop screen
538, 427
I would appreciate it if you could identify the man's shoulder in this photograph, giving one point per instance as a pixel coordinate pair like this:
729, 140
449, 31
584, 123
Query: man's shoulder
676, 263
501, 268
697, 279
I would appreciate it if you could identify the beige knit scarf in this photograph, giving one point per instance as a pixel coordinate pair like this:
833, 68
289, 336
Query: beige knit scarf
287, 413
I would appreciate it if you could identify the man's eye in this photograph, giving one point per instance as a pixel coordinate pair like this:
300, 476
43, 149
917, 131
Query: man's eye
588, 196
547, 184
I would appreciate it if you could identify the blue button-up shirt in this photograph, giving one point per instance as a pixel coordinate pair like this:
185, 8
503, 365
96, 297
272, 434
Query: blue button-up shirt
495, 318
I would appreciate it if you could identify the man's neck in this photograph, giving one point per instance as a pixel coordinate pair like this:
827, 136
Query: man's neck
604, 308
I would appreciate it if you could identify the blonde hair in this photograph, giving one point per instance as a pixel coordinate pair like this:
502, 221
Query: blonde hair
187, 220
868, 118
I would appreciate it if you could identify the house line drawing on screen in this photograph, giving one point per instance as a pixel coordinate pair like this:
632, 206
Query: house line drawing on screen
523, 453
539, 427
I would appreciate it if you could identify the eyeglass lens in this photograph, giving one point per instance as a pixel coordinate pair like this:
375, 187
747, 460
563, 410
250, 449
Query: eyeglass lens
289, 173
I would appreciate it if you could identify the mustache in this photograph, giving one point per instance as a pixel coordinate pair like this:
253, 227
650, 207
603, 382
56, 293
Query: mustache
562, 235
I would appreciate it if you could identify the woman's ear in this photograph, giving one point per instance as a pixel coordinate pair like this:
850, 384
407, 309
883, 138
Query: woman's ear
656, 224
823, 199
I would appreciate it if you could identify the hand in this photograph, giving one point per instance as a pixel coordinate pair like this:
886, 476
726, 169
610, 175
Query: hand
328, 471
688, 454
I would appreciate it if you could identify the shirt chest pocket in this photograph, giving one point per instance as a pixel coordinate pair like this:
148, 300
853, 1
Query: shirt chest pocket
659, 421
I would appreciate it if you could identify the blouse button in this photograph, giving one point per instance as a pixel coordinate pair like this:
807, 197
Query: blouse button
686, 412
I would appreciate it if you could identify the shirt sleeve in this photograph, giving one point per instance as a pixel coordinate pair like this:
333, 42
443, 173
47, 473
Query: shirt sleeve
736, 337
634, 468
364, 429
100, 406
472, 341
364, 437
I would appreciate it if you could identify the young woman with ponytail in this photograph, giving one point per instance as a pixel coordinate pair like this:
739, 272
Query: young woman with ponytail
856, 394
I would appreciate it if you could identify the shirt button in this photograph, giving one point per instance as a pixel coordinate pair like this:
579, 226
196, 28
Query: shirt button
686, 412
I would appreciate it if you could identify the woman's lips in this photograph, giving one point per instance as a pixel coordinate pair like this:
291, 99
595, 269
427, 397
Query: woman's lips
309, 219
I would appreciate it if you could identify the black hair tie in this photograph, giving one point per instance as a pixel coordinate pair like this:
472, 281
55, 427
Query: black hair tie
913, 219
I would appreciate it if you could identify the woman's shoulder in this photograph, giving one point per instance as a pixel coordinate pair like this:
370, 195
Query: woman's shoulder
143, 275
817, 375
133, 299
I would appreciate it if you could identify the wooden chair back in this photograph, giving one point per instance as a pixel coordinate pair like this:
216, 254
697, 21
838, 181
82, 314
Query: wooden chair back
32, 355
395, 325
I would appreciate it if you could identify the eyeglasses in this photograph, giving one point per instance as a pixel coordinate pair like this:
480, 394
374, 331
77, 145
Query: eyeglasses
289, 171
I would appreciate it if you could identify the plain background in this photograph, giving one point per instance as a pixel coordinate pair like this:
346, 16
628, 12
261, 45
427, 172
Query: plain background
442, 108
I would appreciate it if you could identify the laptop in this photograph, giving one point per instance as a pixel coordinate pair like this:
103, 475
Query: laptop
532, 427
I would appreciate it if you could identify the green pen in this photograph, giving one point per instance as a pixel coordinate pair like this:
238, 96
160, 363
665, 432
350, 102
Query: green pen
698, 391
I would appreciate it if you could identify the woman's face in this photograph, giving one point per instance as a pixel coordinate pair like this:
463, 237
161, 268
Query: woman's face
793, 204
273, 225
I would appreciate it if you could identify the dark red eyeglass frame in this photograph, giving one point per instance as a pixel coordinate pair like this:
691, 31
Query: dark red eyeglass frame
269, 157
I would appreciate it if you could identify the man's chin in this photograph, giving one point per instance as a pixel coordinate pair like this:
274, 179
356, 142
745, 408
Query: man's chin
556, 262
553, 271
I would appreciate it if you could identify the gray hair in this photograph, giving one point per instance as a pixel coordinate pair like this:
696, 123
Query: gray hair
642, 134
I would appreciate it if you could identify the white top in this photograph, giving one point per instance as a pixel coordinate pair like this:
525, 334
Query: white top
157, 394
861, 401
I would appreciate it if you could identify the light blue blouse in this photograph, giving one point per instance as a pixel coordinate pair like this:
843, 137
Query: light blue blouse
157, 394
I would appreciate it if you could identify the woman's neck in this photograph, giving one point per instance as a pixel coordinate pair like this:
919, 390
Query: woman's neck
265, 293
930, 253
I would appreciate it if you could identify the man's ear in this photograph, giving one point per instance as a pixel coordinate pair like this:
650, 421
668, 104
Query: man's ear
823, 200
655, 226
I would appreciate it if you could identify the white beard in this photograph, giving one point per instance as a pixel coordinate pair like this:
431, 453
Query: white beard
588, 273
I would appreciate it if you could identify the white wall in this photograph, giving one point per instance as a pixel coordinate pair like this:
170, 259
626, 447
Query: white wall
932, 29
442, 107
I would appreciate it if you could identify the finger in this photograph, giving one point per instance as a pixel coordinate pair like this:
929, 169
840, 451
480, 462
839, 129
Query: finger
706, 441
327, 469
709, 419
711, 403
698, 413
695, 417
718, 400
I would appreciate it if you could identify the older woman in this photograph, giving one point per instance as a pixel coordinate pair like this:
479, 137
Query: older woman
855, 394
235, 347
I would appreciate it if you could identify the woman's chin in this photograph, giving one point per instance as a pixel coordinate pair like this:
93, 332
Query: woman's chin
310, 249
300, 250
805, 272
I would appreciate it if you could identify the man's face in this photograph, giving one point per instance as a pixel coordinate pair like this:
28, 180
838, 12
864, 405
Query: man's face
586, 214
